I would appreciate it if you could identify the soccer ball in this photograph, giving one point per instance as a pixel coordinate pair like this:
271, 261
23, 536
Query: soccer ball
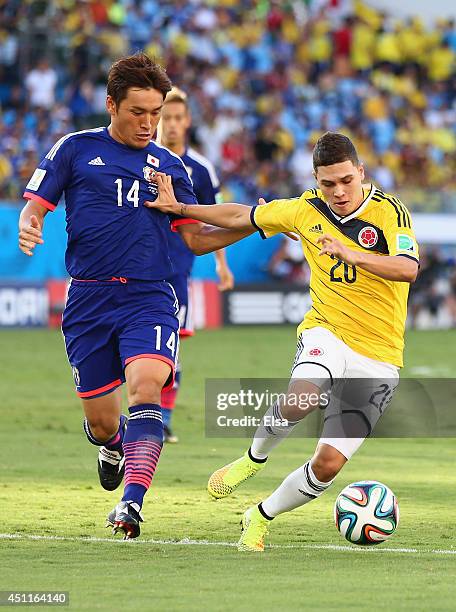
366, 512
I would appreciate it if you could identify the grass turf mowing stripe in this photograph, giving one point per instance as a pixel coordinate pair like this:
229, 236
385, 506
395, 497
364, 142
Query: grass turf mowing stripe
189, 542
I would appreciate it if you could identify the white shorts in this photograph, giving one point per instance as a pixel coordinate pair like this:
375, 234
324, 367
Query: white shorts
355, 406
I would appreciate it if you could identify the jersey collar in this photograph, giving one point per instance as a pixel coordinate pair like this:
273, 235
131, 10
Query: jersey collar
360, 208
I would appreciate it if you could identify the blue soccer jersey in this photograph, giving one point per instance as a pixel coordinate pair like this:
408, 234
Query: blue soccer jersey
206, 187
110, 231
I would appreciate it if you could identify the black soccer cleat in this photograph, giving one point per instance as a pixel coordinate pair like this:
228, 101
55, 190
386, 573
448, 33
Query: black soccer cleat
125, 517
111, 464
111, 468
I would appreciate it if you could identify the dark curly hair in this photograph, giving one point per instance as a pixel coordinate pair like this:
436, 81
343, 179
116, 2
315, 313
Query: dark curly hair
136, 70
334, 148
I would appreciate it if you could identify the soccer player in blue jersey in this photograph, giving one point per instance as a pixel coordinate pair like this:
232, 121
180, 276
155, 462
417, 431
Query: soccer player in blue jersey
172, 131
120, 321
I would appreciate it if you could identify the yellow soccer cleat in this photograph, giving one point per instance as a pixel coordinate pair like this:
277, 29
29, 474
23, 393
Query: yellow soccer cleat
254, 529
223, 481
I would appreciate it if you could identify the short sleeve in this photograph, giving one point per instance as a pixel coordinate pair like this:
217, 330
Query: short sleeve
52, 176
183, 190
207, 187
275, 217
398, 231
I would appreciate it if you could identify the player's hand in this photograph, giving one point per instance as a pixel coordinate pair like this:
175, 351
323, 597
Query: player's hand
166, 201
262, 201
226, 278
332, 246
30, 235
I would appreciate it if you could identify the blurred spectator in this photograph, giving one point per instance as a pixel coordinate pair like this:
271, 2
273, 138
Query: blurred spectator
451, 298
383, 175
434, 287
288, 264
264, 77
40, 83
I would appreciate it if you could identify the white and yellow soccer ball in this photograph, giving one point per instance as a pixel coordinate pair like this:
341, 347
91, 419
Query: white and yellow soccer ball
366, 512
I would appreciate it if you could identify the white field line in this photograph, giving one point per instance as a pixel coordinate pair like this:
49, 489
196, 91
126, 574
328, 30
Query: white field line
189, 542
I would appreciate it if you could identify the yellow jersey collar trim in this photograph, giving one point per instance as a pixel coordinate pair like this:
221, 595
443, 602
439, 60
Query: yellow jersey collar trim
359, 210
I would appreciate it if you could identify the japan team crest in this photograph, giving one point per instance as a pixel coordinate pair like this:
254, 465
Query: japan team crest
368, 237
149, 174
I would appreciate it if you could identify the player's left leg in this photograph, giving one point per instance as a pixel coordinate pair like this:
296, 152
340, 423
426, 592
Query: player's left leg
148, 347
143, 440
319, 361
180, 284
300, 487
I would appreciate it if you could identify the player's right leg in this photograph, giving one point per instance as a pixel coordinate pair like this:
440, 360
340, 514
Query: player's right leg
91, 345
319, 360
105, 427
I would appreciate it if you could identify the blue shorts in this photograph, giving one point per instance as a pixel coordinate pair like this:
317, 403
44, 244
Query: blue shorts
180, 282
108, 324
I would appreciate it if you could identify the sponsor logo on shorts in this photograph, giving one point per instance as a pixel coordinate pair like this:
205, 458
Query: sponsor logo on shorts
315, 352
76, 377
368, 237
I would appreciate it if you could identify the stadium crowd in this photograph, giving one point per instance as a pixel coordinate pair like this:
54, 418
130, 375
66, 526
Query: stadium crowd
264, 79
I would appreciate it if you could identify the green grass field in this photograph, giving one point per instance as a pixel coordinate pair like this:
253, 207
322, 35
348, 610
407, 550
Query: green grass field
50, 500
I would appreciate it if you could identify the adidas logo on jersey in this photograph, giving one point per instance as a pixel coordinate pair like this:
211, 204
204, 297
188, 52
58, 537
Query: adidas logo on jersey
317, 228
96, 162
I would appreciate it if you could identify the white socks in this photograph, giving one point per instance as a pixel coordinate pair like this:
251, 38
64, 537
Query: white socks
298, 488
270, 433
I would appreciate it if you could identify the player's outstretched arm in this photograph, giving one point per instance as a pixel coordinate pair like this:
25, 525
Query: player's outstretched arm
203, 238
395, 267
229, 216
31, 222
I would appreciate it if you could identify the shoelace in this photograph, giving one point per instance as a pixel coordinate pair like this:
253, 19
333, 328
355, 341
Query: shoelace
251, 471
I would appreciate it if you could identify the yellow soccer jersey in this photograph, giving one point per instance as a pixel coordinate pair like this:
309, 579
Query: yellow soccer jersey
365, 311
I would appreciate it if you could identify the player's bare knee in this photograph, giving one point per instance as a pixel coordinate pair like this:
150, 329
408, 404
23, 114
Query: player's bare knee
302, 398
327, 466
146, 392
292, 412
104, 429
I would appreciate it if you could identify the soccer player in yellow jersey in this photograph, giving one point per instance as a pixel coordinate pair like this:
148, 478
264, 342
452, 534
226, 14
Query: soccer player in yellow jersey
362, 252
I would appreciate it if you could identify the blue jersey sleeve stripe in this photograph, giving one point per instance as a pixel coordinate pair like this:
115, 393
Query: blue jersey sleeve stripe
252, 221
53, 151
